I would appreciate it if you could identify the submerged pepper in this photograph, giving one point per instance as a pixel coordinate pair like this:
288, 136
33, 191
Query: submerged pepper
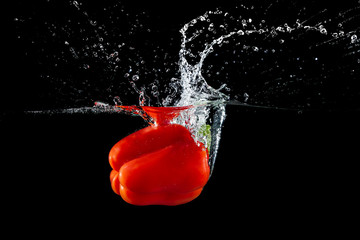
159, 165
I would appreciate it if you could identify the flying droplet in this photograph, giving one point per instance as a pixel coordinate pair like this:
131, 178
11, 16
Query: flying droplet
246, 97
353, 38
211, 27
135, 77
323, 31
117, 100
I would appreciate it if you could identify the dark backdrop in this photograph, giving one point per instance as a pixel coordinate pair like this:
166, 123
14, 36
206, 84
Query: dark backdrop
274, 167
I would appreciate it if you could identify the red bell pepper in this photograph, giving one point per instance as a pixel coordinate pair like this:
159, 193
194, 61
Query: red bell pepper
159, 165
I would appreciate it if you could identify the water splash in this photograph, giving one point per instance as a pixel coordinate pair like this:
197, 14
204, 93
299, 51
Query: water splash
288, 65
321, 43
238, 53
238, 56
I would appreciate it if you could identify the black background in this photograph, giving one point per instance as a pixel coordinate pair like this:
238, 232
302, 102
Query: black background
275, 169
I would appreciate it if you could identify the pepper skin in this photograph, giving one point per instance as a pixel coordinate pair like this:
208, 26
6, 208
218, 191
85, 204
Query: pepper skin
159, 165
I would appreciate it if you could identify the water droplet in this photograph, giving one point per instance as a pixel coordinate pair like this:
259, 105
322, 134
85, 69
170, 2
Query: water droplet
76, 4
126, 75
353, 38
117, 100
135, 77
323, 30
281, 41
280, 29
273, 33
240, 32
244, 23
114, 54
246, 97
211, 27
101, 104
